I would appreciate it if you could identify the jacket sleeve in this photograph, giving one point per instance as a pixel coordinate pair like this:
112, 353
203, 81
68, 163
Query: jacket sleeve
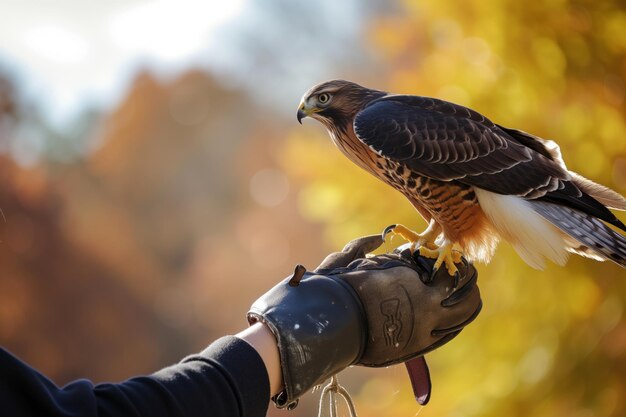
228, 378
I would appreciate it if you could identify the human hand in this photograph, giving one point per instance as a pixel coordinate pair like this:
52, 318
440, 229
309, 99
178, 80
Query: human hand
358, 310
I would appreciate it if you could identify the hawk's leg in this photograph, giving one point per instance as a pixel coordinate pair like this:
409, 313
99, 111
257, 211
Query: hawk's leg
444, 255
425, 242
426, 239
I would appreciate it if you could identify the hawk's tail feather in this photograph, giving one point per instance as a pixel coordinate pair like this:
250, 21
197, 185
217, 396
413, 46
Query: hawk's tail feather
603, 194
532, 236
578, 248
567, 196
595, 239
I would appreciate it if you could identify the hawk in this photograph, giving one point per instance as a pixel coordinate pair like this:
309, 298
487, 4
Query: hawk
473, 181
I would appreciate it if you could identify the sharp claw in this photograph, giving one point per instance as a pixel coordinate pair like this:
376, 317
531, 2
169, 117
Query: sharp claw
388, 230
457, 278
432, 275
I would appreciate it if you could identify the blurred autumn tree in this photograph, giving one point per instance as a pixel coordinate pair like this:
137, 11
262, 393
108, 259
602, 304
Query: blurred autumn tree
547, 343
154, 243
145, 232
132, 237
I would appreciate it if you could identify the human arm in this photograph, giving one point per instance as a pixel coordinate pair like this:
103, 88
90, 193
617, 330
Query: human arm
260, 337
235, 376
228, 378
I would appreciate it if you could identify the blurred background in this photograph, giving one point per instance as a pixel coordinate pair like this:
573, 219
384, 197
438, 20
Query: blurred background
154, 182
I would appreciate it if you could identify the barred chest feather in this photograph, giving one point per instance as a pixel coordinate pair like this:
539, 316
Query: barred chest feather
453, 205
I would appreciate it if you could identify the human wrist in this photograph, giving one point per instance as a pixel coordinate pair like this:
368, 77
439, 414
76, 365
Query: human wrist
260, 337
320, 329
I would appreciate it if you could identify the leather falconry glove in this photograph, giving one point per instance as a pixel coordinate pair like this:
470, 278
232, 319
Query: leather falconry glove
371, 311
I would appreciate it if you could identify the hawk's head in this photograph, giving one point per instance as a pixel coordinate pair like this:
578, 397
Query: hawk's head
336, 102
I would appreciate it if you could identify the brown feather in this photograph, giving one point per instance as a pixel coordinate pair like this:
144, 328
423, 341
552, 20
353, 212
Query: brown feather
480, 182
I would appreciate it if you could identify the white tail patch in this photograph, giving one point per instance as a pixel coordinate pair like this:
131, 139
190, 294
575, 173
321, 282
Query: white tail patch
533, 237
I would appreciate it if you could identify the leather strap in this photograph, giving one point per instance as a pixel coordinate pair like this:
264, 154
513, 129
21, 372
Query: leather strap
420, 379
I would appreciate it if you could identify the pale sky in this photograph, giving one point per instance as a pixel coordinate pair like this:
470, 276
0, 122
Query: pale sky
65, 52
68, 54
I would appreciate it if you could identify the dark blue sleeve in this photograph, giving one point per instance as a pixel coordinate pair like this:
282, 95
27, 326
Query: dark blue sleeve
227, 379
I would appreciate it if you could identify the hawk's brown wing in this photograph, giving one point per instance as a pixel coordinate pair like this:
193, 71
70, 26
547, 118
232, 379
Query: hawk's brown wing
445, 141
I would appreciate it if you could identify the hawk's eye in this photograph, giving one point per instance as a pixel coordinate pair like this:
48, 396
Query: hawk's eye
323, 98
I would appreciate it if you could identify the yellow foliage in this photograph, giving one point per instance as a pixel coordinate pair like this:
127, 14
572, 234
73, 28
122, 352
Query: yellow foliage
545, 343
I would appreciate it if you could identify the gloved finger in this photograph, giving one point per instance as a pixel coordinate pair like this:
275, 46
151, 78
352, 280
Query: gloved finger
355, 249
404, 251
464, 303
457, 328
468, 282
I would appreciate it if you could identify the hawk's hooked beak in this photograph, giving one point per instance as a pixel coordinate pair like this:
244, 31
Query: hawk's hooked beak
302, 113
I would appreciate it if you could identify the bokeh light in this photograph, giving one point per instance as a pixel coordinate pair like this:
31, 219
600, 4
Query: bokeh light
155, 182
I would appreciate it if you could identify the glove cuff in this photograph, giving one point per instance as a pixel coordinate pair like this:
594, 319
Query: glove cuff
320, 328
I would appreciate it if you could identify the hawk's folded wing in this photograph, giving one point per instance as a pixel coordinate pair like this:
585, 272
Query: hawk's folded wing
445, 141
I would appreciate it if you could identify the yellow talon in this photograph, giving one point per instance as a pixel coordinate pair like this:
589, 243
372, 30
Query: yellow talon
425, 241
429, 253
417, 240
443, 255
406, 233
